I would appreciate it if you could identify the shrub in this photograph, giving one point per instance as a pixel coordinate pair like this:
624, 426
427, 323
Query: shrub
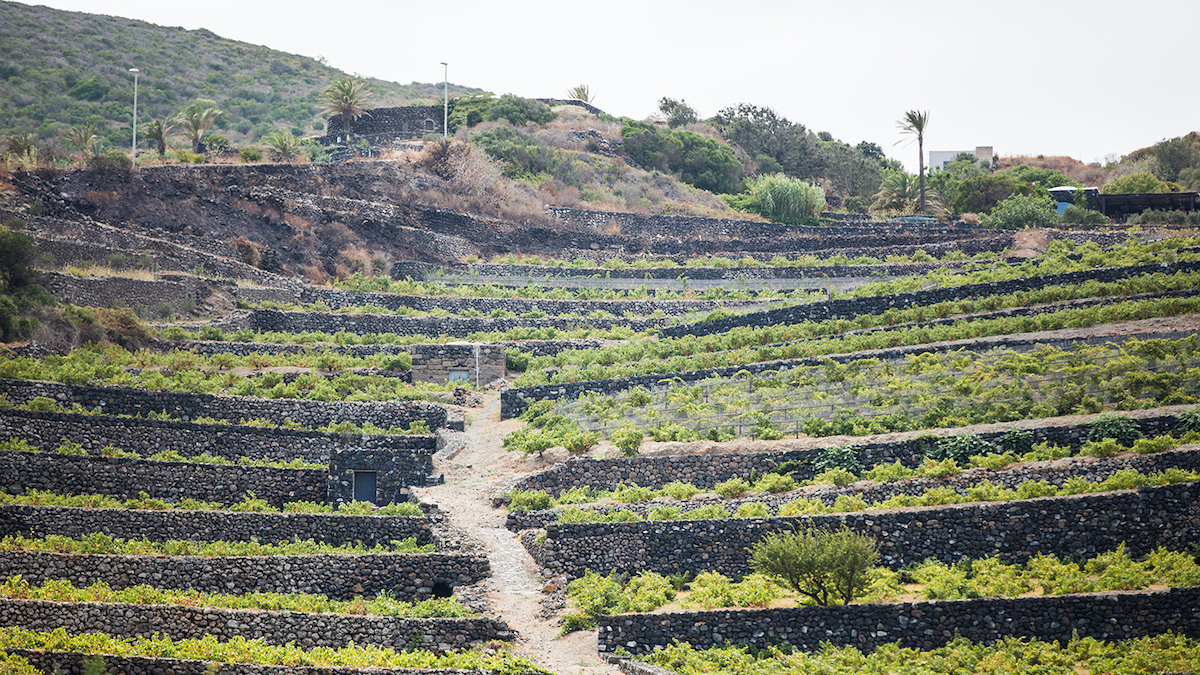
515, 359
887, 473
838, 457
855, 204
579, 443
981, 194
1106, 447
752, 510
1189, 420
628, 439
960, 448
1077, 215
710, 511
732, 488
1120, 428
784, 199
629, 494
530, 500
933, 468
665, 513
519, 110
822, 564
646, 592
680, 490
248, 155
1137, 183
835, 476
1022, 211
773, 482
1017, 441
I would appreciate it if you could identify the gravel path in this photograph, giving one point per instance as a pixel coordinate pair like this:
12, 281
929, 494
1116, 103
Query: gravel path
475, 465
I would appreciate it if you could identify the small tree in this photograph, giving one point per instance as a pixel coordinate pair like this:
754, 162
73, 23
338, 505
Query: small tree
821, 564
159, 131
84, 139
198, 118
282, 144
1021, 211
628, 439
678, 113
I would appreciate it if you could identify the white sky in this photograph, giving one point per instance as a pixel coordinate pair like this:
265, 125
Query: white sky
1084, 78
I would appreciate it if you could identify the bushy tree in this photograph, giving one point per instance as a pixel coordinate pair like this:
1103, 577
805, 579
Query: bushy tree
982, 193
851, 172
824, 565
703, 162
159, 131
1175, 155
678, 113
1022, 211
467, 111
1041, 178
764, 134
1138, 183
198, 118
945, 182
519, 110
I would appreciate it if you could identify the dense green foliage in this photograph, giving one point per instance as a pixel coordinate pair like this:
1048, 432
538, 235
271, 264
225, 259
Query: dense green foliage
782, 199
1021, 211
1010, 656
1138, 183
249, 503
981, 194
823, 565
59, 590
241, 650
703, 162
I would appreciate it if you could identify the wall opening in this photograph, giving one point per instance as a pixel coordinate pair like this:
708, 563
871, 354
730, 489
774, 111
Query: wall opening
442, 589
364, 486
459, 375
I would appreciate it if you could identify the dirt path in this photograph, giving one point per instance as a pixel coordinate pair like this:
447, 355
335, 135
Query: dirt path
473, 473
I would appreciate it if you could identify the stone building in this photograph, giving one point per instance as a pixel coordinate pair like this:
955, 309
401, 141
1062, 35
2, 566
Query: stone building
477, 363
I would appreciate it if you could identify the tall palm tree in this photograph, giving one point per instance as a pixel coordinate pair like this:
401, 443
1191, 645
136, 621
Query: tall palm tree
346, 97
159, 131
913, 124
196, 120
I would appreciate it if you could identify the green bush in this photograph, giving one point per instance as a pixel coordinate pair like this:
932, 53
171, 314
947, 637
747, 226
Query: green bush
840, 456
248, 155
1021, 211
773, 483
1120, 428
680, 490
821, 564
960, 448
710, 511
577, 444
1077, 215
981, 194
628, 439
518, 111
835, 476
516, 360
887, 473
784, 199
1017, 441
732, 488
752, 510
1138, 183
530, 500
857, 204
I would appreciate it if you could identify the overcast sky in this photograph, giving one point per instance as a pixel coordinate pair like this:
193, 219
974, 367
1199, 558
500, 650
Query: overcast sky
1082, 78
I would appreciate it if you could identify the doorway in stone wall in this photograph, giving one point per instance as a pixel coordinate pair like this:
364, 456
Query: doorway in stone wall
365, 486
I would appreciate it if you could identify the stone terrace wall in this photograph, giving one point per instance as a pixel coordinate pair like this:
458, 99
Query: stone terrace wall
410, 576
120, 291
849, 307
514, 401
538, 272
453, 326
408, 121
130, 401
1081, 525
171, 481
456, 305
329, 528
72, 663
307, 630
707, 470
1056, 473
917, 625
233, 441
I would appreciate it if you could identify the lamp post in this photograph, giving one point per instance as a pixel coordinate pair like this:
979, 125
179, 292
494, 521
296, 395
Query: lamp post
445, 100
133, 147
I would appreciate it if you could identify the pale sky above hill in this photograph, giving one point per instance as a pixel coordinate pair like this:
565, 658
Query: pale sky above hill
1083, 78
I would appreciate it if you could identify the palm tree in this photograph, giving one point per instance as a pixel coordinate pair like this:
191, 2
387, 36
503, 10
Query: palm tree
160, 130
581, 93
19, 145
196, 120
83, 138
913, 123
346, 97
897, 192
282, 144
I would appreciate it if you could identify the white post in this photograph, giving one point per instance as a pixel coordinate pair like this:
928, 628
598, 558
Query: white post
445, 99
133, 148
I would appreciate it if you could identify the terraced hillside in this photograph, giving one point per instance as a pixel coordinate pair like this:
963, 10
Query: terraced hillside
528, 447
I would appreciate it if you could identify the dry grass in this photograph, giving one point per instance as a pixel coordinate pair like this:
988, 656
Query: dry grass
94, 271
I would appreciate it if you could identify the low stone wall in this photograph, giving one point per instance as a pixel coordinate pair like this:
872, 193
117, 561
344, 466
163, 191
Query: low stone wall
705, 471
850, 307
1056, 473
269, 528
916, 625
72, 663
537, 272
409, 576
1081, 525
123, 478
46, 430
131, 401
173, 289
478, 363
267, 320
336, 298
514, 401
306, 630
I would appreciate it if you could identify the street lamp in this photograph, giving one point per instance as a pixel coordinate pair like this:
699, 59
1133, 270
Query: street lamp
133, 148
445, 100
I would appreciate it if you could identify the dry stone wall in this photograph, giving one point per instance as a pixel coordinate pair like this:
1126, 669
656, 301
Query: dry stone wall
1081, 525
147, 437
409, 576
481, 362
73, 663
174, 289
706, 471
916, 625
270, 528
123, 478
849, 307
130, 401
453, 326
306, 630
1056, 473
